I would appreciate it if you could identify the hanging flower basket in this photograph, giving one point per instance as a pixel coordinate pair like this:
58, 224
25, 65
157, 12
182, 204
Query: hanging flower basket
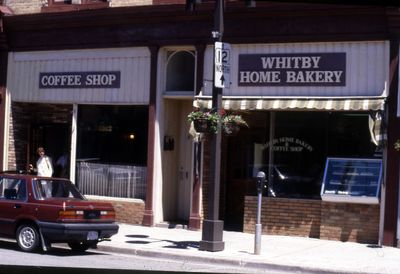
204, 121
202, 125
231, 124
230, 128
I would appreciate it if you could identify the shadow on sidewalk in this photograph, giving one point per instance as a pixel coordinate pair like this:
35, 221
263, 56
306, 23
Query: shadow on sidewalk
175, 244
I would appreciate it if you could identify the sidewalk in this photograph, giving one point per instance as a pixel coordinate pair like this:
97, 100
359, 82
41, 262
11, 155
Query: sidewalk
306, 255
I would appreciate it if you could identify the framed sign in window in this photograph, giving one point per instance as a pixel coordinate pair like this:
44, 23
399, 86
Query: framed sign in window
352, 180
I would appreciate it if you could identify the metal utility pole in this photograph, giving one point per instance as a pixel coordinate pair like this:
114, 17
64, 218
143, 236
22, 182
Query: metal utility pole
212, 227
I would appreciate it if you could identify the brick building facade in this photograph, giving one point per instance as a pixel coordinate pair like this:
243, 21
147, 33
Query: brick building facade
152, 45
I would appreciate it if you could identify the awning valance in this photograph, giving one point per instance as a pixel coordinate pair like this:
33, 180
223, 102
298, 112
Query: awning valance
353, 104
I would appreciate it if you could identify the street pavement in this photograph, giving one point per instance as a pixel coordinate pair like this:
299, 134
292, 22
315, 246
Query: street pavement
278, 253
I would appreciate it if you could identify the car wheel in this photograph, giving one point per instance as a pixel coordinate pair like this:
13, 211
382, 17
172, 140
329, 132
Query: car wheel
28, 237
81, 246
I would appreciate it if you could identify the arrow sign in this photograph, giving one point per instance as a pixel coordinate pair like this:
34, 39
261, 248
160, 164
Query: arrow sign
222, 65
222, 79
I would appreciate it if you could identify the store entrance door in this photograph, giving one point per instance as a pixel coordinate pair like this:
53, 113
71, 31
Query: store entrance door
239, 168
55, 139
177, 163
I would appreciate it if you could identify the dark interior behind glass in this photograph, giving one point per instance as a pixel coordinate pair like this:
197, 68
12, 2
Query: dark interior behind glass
293, 153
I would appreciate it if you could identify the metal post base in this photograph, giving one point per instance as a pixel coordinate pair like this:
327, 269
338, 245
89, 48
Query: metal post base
212, 236
257, 240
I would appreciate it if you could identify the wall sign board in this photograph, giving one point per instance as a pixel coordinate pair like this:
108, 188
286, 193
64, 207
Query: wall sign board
352, 180
301, 69
93, 79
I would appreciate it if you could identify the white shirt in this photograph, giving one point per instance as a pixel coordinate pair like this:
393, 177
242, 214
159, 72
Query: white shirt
44, 166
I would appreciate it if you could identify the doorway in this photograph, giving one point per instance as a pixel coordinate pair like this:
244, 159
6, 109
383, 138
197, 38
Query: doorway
177, 162
237, 172
55, 139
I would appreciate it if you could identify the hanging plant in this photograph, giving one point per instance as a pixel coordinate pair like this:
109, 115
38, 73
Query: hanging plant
397, 145
231, 123
204, 121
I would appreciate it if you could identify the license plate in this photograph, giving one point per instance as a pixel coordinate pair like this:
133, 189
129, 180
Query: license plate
92, 214
92, 235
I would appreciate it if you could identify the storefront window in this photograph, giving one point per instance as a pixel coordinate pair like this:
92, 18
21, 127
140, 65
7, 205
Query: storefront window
112, 150
293, 148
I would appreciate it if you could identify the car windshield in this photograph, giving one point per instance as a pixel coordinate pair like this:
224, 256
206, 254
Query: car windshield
49, 188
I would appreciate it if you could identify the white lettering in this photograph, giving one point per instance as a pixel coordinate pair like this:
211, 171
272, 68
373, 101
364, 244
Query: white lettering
260, 77
44, 81
60, 80
296, 62
290, 76
275, 77
303, 62
267, 63
280, 62
338, 75
306, 62
318, 76
112, 78
244, 77
76, 80
254, 77
100, 79
315, 60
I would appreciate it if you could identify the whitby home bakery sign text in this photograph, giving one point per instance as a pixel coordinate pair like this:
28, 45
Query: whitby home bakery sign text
302, 69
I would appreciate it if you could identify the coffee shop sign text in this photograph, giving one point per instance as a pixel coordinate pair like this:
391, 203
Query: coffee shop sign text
94, 79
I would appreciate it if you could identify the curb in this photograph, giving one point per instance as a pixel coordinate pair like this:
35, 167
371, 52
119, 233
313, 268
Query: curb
223, 261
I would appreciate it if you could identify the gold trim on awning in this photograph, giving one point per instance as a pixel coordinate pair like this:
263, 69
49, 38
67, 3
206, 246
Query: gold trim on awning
351, 104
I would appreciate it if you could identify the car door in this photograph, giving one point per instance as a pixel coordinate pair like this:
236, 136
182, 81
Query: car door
12, 203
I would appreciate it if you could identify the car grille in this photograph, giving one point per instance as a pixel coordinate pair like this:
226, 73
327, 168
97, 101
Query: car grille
91, 214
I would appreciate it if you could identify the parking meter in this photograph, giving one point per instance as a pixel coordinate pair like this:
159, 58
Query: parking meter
260, 181
260, 186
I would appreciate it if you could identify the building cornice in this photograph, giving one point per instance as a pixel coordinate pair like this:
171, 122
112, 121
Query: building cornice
269, 22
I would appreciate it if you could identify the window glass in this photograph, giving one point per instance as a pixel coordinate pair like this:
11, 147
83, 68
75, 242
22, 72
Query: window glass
180, 71
292, 148
112, 150
12, 189
45, 189
113, 134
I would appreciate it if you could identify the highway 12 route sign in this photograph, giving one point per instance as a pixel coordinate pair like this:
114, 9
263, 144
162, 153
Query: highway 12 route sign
222, 65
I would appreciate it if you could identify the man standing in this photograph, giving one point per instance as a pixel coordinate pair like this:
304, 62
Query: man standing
44, 165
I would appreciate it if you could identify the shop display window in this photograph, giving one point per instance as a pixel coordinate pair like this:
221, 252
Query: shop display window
352, 180
113, 134
291, 148
112, 150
